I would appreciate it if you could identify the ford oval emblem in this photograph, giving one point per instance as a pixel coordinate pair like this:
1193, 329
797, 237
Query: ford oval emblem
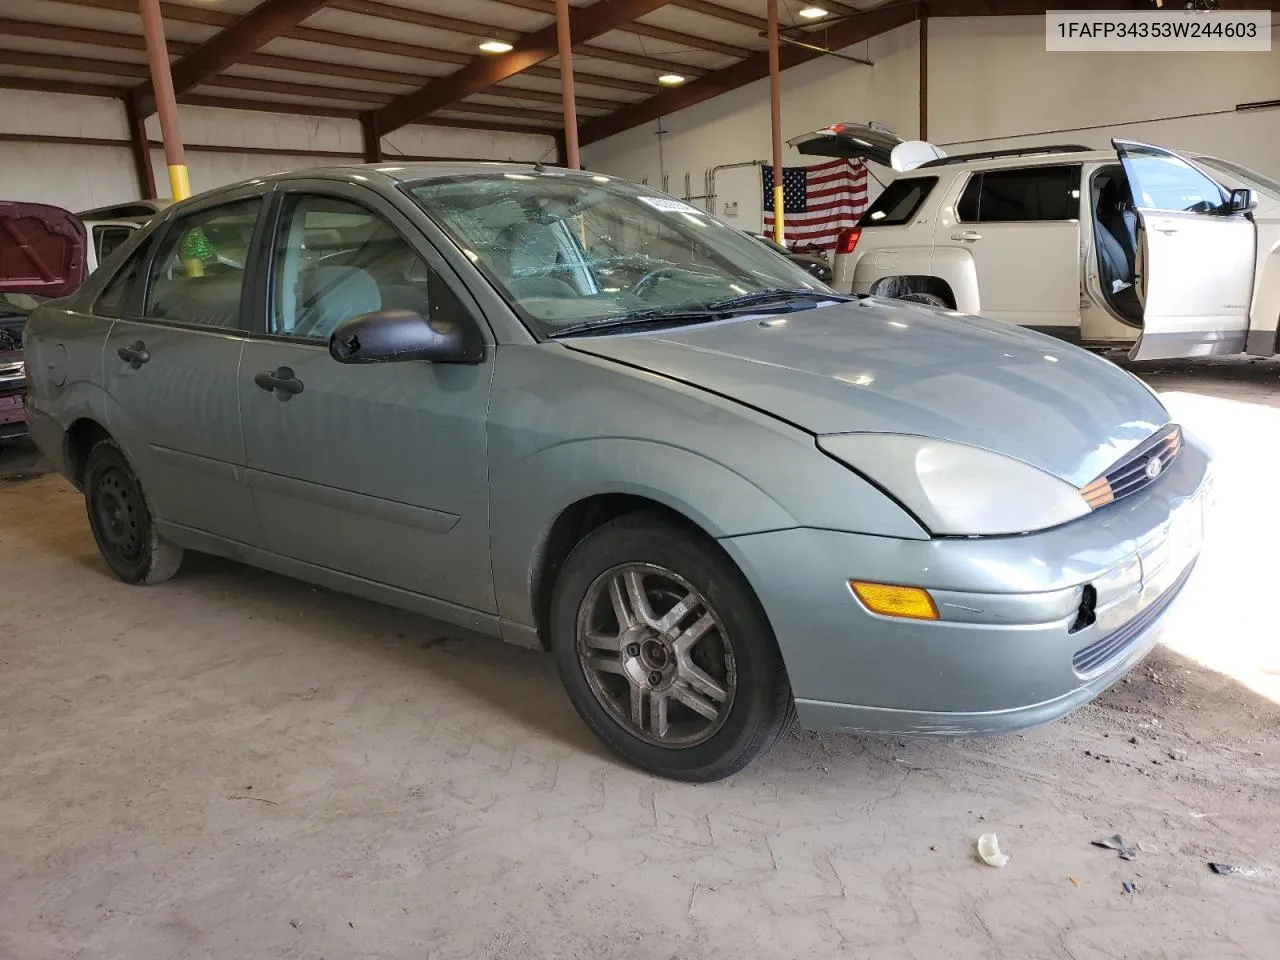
1154, 466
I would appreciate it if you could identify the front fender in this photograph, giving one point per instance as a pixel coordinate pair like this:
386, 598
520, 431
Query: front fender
1264, 313
527, 495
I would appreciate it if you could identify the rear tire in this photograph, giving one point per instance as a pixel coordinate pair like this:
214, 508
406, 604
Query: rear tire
121, 519
929, 299
665, 651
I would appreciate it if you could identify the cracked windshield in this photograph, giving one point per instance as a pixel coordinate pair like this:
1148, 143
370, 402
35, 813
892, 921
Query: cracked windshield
574, 254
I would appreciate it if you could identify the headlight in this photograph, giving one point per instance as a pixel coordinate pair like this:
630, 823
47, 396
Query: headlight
958, 490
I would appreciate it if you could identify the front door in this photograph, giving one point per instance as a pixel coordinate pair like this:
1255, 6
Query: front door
376, 471
1195, 258
172, 365
1021, 227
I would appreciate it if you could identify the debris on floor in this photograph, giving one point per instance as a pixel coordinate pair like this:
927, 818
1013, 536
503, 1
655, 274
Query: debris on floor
989, 851
1116, 842
1223, 869
1129, 886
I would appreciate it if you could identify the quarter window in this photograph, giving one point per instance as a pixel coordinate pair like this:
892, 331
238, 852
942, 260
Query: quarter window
336, 259
116, 296
106, 237
1019, 196
898, 203
198, 273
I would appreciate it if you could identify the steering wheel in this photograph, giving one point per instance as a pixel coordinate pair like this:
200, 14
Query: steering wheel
650, 278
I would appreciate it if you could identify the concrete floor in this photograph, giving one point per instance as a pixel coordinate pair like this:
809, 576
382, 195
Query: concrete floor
237, 765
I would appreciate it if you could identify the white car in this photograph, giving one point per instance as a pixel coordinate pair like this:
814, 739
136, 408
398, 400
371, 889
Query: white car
1137, 247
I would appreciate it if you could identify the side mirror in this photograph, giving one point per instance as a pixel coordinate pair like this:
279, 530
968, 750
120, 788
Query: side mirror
1242, 200
390, 336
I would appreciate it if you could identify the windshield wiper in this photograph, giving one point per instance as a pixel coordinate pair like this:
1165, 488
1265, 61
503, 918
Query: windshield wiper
779, 295
715, 310
639, 318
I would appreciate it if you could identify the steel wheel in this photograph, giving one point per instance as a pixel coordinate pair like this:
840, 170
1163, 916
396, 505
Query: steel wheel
119, 512
655, 655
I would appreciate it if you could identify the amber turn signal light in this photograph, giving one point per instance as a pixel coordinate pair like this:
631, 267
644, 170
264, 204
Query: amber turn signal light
913, 603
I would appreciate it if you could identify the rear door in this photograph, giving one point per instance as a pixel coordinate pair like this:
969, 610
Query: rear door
1021, 227
172, 362
1195, 260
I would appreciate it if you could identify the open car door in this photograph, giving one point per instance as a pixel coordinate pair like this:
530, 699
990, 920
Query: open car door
42, 250
866, 141
1195, 257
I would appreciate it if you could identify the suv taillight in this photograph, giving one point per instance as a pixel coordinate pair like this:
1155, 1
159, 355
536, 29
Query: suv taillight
846, 240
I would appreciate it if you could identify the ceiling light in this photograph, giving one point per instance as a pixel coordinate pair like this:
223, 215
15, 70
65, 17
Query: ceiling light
495, 46
813, 13
671, 79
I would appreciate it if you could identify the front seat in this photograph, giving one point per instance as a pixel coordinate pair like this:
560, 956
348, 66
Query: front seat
329, 295
1117, 237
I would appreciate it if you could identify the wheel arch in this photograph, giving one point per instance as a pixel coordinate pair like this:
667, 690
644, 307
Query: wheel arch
894, 287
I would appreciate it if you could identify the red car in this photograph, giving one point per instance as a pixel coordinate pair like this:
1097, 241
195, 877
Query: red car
42, 255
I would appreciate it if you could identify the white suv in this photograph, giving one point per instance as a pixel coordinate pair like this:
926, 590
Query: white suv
1135, 247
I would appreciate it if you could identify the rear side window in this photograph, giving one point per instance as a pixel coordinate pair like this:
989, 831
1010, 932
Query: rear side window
106, 237
198, 272
899, 202
1018, 196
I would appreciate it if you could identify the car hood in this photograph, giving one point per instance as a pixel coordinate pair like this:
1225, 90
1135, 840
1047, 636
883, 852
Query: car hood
879, 366
42, 250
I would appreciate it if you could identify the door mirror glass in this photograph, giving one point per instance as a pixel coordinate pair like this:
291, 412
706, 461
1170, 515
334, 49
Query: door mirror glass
1242, 199
389, 336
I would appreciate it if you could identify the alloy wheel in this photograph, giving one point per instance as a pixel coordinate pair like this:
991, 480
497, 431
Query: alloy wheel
655, 655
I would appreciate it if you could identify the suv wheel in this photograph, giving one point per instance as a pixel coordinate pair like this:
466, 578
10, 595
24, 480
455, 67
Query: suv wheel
931, 299
121, 519
665, 651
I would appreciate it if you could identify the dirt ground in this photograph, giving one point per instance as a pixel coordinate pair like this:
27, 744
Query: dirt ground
236, 765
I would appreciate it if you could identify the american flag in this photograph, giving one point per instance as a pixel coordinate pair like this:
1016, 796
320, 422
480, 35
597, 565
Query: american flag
818, 201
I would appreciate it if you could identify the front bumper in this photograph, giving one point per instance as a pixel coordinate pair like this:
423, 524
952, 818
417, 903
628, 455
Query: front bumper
1011, 650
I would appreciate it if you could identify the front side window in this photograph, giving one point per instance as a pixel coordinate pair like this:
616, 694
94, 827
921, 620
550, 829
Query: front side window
198, 272
336, 259
1019, 196
570, 250
1164, 181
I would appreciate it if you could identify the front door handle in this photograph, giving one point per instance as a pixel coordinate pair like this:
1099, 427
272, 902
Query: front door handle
1167, 231
279, 381
135, 355
967, 236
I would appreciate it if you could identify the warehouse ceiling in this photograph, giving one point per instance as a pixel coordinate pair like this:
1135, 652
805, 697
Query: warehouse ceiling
420, 60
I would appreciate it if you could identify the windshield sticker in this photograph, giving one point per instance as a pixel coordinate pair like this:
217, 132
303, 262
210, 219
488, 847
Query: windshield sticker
669, 205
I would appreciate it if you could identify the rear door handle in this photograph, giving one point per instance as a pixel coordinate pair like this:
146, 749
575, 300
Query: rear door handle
1167, 231
135, 355
967, 236
280, 381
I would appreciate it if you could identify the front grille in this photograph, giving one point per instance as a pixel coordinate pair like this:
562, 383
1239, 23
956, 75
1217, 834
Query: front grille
1136, 471
1101, 652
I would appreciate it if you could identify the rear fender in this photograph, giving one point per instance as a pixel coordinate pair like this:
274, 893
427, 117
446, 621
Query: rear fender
957, 269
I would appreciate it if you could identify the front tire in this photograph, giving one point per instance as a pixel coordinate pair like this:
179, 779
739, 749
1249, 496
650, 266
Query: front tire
665, 651
121, 519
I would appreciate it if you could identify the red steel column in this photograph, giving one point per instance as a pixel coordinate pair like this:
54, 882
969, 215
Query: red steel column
775, 117
564, 43
166, 103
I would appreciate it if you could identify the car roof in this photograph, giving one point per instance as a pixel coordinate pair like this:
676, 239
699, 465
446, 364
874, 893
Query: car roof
987, 162
391, 173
